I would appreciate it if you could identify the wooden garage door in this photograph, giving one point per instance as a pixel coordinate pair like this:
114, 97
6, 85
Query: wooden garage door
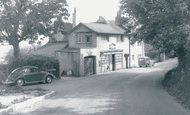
89, 65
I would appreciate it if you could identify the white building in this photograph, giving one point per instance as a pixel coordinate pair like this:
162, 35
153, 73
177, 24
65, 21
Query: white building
98, 47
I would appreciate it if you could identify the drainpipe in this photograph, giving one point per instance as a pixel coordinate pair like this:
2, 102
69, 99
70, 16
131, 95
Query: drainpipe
129, 53
143, 49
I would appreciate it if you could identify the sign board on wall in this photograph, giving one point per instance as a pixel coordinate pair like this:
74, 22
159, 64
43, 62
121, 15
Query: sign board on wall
89, 52
112, 46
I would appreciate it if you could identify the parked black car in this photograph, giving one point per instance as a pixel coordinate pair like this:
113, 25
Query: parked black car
28, 74
146, 62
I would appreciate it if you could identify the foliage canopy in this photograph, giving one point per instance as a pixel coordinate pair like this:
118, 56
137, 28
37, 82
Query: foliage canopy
162, 23
26, 19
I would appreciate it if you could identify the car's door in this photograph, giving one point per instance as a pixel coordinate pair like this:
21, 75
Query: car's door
27, 75
34, 75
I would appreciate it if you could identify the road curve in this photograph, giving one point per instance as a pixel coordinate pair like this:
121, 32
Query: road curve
126, 92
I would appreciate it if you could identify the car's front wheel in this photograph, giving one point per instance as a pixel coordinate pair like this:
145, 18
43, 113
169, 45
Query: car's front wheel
20, 82
48, 79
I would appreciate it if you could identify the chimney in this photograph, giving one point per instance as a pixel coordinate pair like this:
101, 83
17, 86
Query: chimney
74, 17
118, 18
101, 20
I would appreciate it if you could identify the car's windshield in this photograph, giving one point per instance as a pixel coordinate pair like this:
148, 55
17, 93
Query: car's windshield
15, 70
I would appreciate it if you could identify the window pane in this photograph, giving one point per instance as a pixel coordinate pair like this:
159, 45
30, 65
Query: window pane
84, 37
105, 38
79, 38
104, 59
118, 58
88, 38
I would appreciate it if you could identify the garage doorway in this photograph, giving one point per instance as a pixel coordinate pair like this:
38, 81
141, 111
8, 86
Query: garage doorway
89, 65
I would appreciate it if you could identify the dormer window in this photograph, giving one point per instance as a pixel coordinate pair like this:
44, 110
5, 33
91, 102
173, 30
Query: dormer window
84, 38
88, 38
79, 39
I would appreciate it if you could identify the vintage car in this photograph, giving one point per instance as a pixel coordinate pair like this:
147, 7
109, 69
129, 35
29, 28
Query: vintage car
146, 62
28, 74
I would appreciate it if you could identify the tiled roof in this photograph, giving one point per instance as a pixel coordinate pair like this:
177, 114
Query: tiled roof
50, 48
102, 26
106, 28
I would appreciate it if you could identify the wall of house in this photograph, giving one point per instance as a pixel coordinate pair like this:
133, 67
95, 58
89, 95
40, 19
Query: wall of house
137, 50
104, 46
99, 47
73, 43
75, 60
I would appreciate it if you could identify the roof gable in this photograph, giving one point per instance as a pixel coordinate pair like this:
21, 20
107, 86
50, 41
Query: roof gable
79, 27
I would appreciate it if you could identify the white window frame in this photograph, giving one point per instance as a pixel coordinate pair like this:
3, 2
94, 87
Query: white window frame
79, 39
105, 38
82, 38
90, 38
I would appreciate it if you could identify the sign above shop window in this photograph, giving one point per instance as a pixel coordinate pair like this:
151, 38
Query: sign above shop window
89, 52
112, 46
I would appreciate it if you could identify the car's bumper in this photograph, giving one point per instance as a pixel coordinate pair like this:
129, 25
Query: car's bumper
8, 83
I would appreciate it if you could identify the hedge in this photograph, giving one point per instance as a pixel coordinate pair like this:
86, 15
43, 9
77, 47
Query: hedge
44, 63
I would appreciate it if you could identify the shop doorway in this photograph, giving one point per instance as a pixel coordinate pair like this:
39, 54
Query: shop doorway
113, 62
126, 60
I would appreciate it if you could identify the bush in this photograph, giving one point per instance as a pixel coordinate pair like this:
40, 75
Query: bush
177, 83
3, 72
44, 63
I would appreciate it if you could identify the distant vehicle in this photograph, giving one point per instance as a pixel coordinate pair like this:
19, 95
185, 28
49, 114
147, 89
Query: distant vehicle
146, 62
28, 74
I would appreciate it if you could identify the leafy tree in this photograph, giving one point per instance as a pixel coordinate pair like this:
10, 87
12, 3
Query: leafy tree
161, 23
27, 19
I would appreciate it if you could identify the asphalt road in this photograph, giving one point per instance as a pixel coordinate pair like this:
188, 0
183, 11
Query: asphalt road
125, 92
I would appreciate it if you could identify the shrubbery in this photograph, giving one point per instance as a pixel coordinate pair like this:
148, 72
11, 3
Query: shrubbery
177, 83
44, 63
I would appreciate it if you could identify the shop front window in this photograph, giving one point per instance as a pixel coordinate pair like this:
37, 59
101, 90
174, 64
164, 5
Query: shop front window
118, 58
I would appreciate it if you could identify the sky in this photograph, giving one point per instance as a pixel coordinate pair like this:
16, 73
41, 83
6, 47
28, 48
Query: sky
90, 10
